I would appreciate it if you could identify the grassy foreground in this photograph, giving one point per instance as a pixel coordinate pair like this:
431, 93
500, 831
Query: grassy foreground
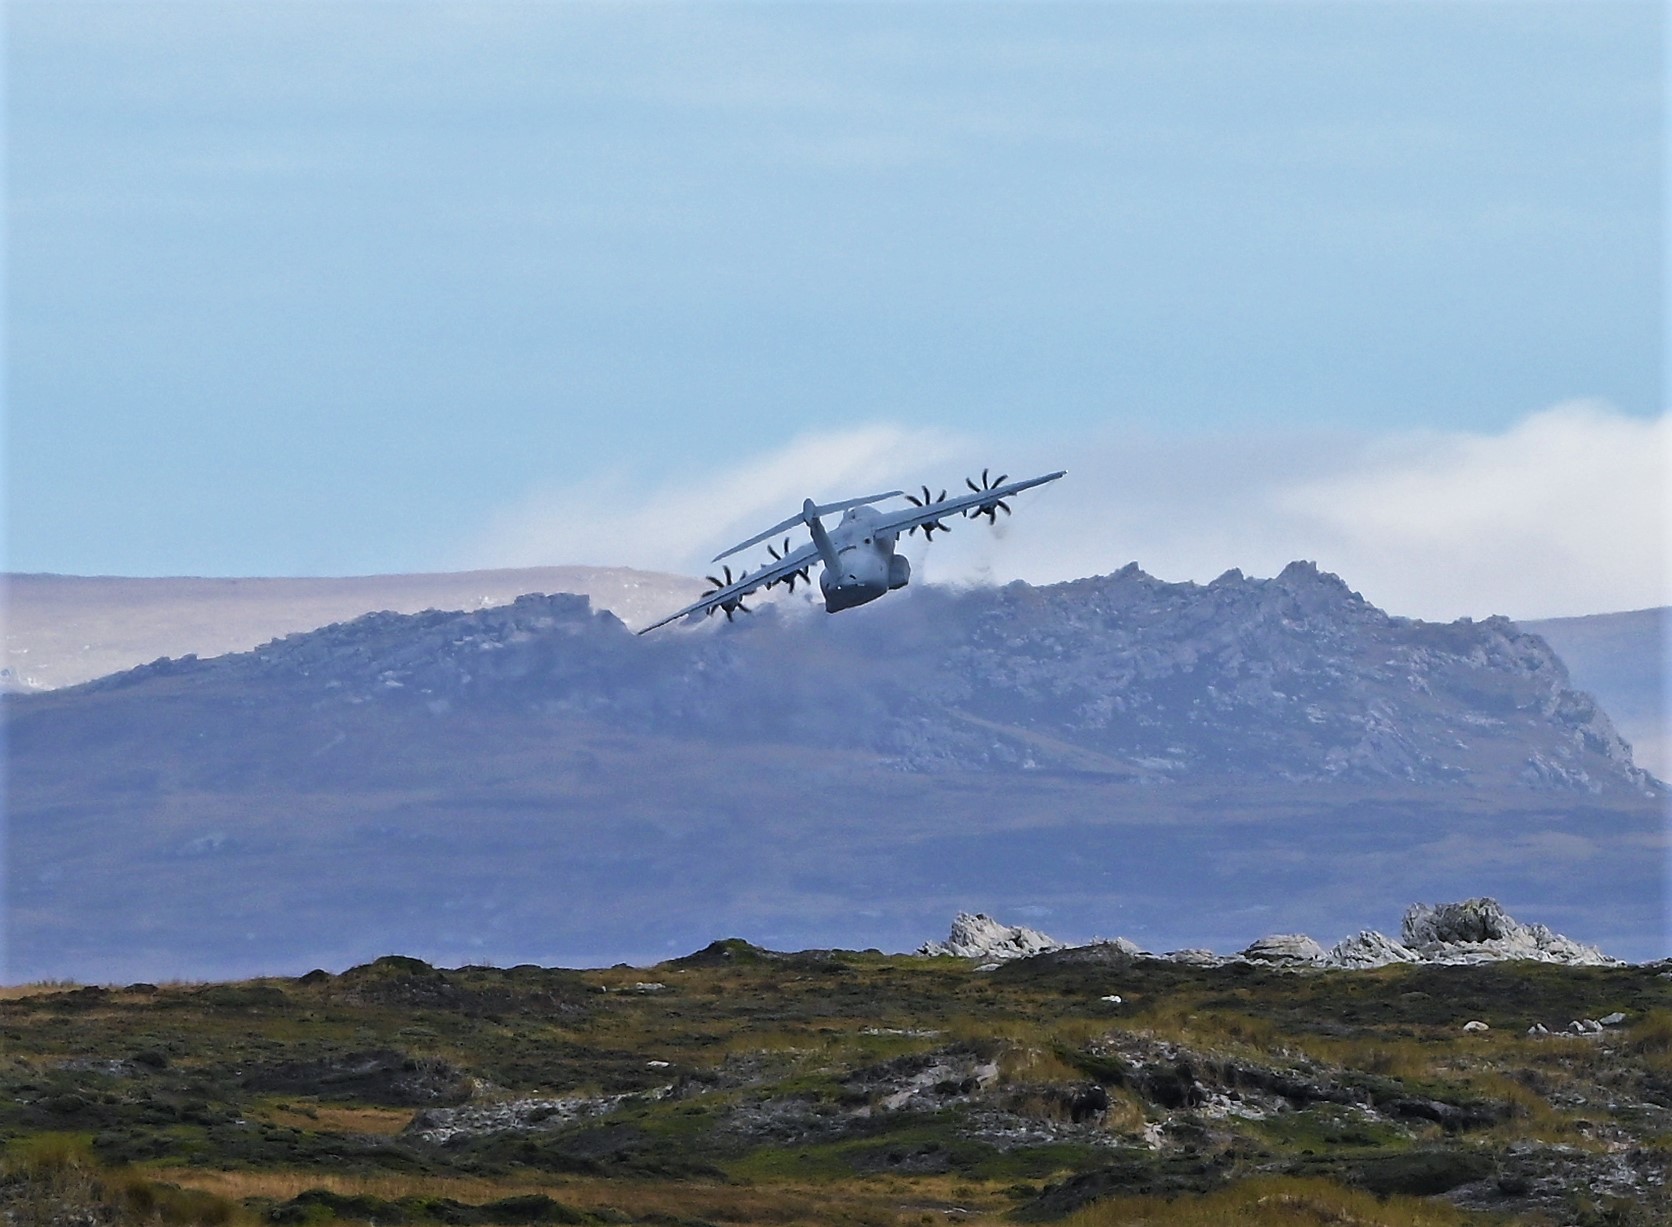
741, 1086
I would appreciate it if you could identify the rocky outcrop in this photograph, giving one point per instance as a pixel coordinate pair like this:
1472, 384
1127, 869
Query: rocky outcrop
1368, 948
1480, 931
439, 1126
1285, 950
979, 936
1473, 931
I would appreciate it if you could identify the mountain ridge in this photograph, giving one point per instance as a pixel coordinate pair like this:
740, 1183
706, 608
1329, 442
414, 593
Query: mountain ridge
1112, 673
533, 782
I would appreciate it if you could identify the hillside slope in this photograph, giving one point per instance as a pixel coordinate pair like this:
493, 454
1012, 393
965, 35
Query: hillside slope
1182, 763
1621, 658
62, 630
738, 1085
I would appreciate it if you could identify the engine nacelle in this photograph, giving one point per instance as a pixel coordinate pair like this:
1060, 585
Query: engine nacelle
899, 572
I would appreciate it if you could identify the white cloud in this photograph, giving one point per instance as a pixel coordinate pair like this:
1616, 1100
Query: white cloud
1564, 513
615, 521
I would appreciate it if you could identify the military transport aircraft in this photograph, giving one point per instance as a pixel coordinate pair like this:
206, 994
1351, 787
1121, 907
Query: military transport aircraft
859, 562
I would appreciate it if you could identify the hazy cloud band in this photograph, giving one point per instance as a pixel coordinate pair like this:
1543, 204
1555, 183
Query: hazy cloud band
1564, 513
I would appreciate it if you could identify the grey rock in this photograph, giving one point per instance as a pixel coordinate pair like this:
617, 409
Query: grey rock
1285, 950
979, 936
440, 1125
1116, 945
1197, 956
1368, 948
1480, 931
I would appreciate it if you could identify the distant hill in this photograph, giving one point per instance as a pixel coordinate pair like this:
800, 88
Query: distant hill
1188, 765
62, 630
66, 629
1621, 658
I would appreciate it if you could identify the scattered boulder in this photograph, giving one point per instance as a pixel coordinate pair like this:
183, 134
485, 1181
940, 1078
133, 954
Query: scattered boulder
1475, 1024
1285, 950
979, 936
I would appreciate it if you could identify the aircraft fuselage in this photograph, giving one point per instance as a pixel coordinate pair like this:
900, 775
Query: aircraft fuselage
859, 563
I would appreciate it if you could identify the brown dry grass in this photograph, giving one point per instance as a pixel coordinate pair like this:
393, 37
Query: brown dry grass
1271, 1201
877, 1202
1650, 1040
1384, 1056
41, 988
381, 1122
16, 992
53, 1179
1181, 1022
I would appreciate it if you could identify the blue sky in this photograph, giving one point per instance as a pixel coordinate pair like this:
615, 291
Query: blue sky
311, 288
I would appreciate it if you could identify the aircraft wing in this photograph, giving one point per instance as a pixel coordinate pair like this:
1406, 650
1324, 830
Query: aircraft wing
743, 585
911, 517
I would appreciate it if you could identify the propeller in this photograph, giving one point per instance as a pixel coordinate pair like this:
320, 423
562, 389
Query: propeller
992, 508
736, 603
789, 579
929, 527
